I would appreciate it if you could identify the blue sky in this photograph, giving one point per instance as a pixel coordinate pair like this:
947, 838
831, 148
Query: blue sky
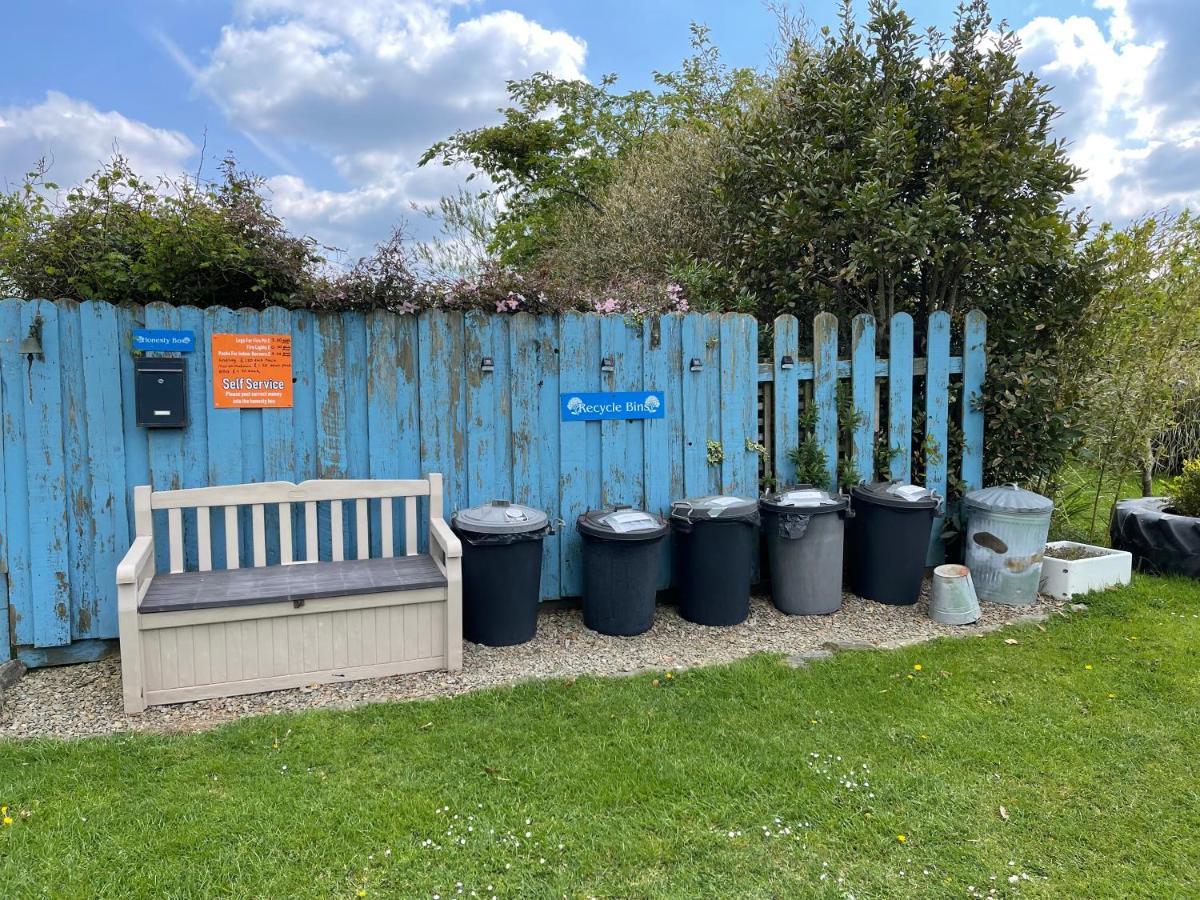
334, 101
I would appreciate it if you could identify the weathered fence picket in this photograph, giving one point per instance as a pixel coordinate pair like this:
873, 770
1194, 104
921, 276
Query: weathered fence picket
378, 395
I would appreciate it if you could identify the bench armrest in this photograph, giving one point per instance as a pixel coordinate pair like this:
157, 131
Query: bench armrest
140, 558
443, 537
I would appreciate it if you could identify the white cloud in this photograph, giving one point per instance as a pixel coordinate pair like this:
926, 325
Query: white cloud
1121, 127
370, 85
77, 139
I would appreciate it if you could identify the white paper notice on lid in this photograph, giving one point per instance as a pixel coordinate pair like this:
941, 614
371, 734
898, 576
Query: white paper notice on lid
726, 501
909, 492
805, 498
515, 515
629, 521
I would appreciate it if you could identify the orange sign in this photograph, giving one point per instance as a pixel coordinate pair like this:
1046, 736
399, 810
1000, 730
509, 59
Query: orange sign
251, 370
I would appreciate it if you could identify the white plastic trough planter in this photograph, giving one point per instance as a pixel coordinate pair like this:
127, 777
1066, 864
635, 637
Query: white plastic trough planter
1067, 578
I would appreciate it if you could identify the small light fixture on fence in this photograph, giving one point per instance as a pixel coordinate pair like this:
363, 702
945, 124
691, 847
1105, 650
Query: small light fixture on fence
696, 365
32, 345
607, 364
787, 363
487, 364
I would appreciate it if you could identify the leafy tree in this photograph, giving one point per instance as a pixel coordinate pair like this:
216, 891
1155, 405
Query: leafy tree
886, 171
1147, 334
121, 237
561, 139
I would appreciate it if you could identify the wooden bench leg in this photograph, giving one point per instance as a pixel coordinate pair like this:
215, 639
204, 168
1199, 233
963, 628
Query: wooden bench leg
454, 638
132, 683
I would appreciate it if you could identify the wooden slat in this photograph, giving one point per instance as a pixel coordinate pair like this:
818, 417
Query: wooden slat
739, 407
311, 543
524, 371
410, 526
482, 396
258, 534
335, 526
900, 376
203, 539
383, 425
232, 554
660, 348
443, 401
614, 481
575, 373
362, 535
175, 539
106, 452
387, 536
46, 478
285, 533
863, 395
695, 407
825, 354
974, 369
786, 404
937, 414
80, 536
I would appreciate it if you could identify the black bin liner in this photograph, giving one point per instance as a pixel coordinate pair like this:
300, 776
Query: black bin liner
1162, 542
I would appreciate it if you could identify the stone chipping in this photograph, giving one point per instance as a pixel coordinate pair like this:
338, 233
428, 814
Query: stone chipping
82, 700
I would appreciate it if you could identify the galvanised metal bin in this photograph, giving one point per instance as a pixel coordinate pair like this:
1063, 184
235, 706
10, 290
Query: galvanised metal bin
1006, 536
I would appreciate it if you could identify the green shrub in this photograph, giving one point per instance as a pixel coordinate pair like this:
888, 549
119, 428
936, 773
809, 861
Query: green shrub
125, 238
1185, 490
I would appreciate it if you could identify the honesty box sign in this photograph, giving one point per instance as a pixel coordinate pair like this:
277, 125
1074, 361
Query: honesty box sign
591, 406
252, 371
165, 340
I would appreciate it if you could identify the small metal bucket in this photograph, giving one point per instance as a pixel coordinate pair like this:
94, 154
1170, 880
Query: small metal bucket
952, 599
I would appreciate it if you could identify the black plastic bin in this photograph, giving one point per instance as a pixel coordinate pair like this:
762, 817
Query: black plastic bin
891, 529
716, 541
621, 564
502, 571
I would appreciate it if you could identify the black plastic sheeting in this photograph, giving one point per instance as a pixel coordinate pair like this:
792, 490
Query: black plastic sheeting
1161, 542
482, 539
793, 527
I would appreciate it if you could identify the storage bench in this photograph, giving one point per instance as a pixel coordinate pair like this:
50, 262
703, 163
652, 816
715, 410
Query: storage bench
216, 632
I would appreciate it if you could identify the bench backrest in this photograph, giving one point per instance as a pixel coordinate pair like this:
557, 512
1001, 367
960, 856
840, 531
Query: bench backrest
296, 507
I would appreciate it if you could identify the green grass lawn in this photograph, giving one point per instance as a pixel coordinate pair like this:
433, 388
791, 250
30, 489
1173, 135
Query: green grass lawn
1069, 755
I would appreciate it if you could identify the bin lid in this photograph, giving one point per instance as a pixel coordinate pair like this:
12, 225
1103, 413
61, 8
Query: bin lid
622, 523
896, 494
1008, 498
720, 506
499, 517
806, 499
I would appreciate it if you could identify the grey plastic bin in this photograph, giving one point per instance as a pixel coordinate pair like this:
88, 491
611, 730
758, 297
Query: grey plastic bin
805, 529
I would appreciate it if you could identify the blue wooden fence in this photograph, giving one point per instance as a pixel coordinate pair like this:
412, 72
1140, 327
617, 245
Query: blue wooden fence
382, 395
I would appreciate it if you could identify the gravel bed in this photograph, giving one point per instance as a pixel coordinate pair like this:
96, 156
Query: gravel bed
79, 700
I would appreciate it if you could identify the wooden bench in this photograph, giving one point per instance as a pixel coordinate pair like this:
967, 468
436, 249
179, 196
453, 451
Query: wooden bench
217, 632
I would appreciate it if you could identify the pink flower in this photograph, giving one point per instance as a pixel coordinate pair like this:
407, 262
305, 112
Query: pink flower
606, 307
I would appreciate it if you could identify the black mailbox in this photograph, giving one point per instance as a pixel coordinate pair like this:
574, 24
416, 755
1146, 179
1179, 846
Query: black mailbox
160, 391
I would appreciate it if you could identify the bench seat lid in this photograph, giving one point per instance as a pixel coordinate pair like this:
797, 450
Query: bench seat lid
282, 584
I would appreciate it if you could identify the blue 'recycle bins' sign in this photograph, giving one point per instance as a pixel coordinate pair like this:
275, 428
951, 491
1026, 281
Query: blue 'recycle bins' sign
164, 340
582, 406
